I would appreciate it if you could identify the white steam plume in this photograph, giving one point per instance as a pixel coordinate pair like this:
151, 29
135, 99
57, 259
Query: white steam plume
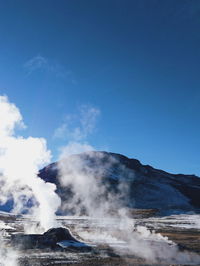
128, 239
8, 256
153, 246
84, 174
90, 194
20, 160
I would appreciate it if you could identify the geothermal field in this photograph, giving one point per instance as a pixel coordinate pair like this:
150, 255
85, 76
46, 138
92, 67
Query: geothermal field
90, 208
99, 132
170, 240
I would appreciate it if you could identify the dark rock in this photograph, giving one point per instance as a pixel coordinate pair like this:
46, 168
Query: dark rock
49, 239
55, 235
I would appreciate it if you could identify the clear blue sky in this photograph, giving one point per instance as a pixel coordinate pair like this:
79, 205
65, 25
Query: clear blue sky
138, 62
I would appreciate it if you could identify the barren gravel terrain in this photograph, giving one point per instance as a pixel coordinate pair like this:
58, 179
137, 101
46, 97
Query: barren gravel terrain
106, 240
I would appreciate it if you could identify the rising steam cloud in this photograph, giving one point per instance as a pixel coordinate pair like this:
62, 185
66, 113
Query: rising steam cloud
8, 256
20, 160
86, 174
80, 172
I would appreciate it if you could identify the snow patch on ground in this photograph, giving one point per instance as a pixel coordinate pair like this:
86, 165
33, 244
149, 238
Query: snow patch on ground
189, 221
5, 226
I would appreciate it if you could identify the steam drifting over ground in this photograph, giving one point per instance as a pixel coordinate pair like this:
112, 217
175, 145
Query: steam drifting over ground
90, 197
20, 160
8, 256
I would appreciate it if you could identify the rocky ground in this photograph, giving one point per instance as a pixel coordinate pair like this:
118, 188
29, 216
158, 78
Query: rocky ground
106, 241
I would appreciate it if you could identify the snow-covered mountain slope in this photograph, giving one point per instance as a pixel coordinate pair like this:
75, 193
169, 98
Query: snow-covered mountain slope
140, 186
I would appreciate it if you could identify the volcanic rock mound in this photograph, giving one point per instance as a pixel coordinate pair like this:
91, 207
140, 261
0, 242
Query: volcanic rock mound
49, 239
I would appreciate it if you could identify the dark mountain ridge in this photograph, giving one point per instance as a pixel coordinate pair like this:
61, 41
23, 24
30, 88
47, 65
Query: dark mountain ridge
147, 187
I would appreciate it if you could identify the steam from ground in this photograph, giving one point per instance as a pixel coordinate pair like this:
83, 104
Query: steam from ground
8, 256
91, 194
20, 160
153, 246
128, 239
85, 175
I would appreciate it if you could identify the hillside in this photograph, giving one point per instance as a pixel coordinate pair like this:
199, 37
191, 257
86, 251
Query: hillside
146, 187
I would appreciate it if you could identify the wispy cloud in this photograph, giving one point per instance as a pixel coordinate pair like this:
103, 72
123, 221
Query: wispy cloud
36, 63
78, 127
42, 64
